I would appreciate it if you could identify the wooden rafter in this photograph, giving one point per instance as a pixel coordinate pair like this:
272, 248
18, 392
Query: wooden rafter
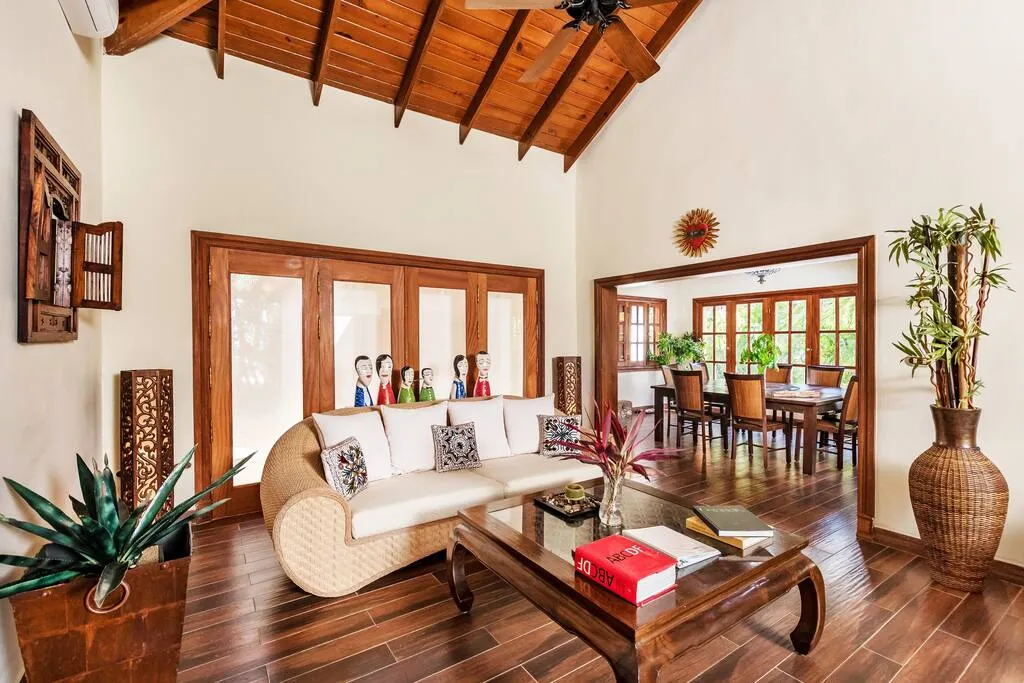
515, 29
568, 76
657, 44
415, 63
222, 34
145, 20
323, 54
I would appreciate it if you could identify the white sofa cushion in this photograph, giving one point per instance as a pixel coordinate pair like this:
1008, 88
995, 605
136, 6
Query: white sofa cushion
531, 472
489, 419
417, 498
367, 428
410, 435
522, 426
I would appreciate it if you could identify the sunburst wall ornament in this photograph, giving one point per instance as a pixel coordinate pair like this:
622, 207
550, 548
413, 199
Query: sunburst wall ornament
696, 232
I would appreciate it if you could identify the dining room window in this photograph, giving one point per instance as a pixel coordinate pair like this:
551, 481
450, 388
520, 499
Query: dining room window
641, 320
815, 326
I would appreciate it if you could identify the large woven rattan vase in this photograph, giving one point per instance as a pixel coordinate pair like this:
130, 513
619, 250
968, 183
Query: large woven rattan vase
959, 500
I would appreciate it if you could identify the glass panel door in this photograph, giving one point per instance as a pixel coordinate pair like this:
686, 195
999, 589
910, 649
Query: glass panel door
749, 326
715, 330
505, 341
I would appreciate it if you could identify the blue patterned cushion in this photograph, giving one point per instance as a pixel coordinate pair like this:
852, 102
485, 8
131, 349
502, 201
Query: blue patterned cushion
558, 428
455, 447
345, 467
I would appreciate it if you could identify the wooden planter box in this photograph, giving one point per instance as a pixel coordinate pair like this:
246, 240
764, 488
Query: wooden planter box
138, 642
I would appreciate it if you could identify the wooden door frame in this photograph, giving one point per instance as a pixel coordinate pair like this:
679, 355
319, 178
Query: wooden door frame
606, 374
203, 243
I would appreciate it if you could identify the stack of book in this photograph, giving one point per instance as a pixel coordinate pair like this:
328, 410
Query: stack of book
732, 525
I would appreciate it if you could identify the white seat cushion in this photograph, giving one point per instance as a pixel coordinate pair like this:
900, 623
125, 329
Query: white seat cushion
530, 472
411, 499
521, 424
367, 429
410, 435
488, 417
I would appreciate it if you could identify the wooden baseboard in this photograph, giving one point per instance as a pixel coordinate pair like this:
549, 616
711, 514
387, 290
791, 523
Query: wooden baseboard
1003, 570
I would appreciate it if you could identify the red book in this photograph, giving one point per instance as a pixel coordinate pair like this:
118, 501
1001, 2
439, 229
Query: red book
627, 568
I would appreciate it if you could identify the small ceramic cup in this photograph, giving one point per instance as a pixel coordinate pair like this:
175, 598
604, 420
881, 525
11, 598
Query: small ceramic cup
574, 492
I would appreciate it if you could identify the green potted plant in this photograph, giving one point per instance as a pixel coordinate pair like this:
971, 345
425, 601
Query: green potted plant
90, 588
762, 352
959, 496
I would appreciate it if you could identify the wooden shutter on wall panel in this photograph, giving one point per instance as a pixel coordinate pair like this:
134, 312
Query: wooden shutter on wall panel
96, 266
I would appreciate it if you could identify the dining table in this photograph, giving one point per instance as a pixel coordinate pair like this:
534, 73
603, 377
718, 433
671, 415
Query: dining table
716, 393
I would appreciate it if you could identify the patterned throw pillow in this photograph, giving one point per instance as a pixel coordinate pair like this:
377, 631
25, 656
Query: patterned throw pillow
455, 447
345, 467
558, 428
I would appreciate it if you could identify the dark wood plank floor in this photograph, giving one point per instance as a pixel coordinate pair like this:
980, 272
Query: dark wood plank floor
886, 620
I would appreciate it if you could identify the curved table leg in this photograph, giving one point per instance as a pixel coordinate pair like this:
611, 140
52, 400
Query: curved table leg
812, 612
456, 567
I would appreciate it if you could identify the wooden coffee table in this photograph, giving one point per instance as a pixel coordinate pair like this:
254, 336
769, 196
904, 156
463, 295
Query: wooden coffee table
532, 550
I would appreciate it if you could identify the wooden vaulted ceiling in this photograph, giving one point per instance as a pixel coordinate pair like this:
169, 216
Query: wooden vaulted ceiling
431, 56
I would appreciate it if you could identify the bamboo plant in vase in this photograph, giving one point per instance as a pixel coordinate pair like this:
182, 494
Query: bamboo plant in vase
959, 496
617, 451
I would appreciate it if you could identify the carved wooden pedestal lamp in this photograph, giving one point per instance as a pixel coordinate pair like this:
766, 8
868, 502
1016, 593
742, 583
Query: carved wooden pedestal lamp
147, 434
567, 382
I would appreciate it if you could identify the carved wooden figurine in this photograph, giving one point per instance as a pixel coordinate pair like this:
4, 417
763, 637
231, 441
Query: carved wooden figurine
364, 375
386, 394
405, 392
461, 366
427, 385
482, 386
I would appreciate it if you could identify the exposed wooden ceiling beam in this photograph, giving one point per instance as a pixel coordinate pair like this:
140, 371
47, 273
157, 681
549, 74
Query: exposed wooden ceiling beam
323, 54
415, 63
145, 20
568, 76
222, 34
657, 44
515, 29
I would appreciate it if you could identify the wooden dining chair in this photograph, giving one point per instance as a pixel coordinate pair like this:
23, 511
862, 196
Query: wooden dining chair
845, 426
666, 372
748, 413
715, 409
825, 375
689, 385
781, 373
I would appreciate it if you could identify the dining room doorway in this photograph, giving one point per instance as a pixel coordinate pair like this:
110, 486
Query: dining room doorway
817, 303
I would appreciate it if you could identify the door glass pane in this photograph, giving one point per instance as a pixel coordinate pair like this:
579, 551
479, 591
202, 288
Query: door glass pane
827, 349
799, 349
720, 346
362, 327
756, 317
741, 317
798, 321
708, 314
442, 334
782, 341
799, 374
720, 318
505, 342
266, 365
848, 313
848, 348
828, 314
782, 316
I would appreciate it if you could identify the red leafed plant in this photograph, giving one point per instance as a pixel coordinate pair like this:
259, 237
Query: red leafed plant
615, 448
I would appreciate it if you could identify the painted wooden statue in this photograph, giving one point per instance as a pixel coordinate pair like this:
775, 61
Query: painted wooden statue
385, 366
427, 385
406, 393
482, 386
461, 366
364, 375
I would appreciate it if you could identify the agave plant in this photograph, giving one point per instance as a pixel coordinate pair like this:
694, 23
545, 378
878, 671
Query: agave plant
108, 539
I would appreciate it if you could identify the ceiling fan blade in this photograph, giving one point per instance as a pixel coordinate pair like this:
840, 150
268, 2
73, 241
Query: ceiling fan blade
645, 3
635, 57
548, 55
511, 4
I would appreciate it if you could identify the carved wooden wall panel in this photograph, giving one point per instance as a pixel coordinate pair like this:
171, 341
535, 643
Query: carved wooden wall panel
567, 382
147, 434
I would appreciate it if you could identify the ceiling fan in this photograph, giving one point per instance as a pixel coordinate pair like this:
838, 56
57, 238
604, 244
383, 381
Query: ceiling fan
602, 15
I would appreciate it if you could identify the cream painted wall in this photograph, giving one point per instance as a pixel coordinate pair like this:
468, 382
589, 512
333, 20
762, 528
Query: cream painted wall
802, 121
49, 409
185, 151
679, 295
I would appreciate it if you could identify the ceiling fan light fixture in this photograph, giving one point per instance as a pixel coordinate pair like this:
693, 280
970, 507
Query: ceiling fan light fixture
762, 274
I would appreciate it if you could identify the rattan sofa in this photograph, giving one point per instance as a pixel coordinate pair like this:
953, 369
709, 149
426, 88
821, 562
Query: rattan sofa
311, 525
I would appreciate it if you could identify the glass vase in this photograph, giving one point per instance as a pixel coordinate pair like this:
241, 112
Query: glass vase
610, 512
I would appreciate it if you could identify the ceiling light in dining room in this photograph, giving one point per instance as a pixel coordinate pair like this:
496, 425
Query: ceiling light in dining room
762, 274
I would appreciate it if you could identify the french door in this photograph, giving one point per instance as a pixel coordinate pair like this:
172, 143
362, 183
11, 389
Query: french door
284, 332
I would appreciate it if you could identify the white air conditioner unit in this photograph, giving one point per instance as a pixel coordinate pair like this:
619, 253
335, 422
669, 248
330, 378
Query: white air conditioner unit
91, 18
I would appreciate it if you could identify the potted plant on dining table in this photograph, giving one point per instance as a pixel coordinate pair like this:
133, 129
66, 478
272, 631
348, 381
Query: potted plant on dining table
959, 496
618, 451
763, 352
